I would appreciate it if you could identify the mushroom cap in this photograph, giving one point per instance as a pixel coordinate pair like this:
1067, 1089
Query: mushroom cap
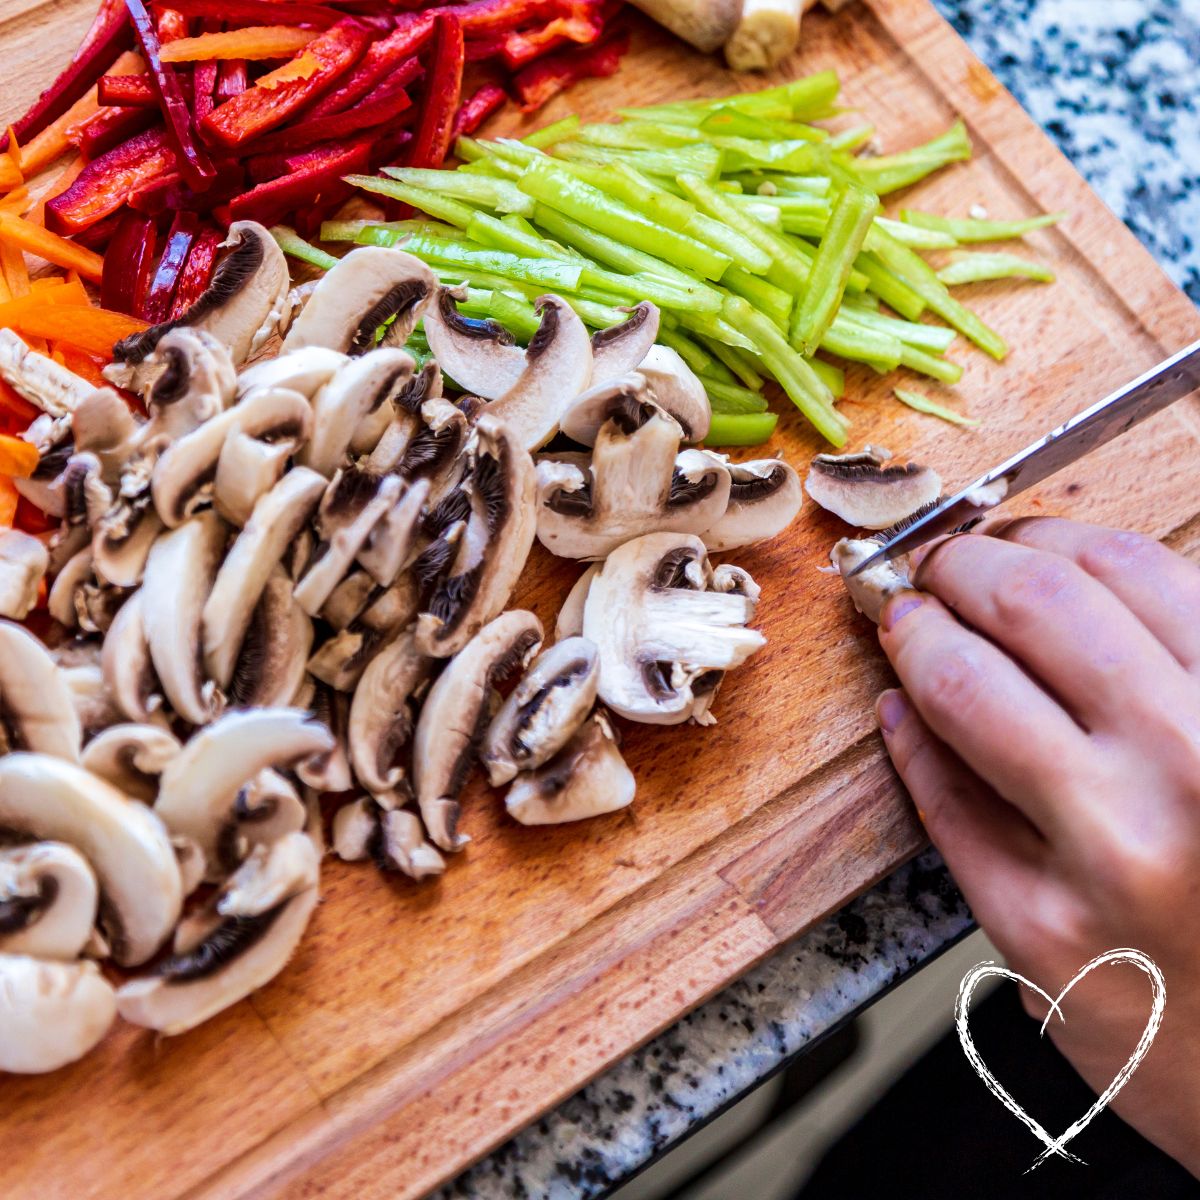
36, 707
354, 825
125, 661
764, 498
51, 1013
195, 379
392, 541
586, 778
617, 397
677, 389
875, 586
569, 622
124, 841
23, 563
246, 470
663, 633
540, 715
865, 492
48, 900
455, 716
131, 757
620, 348
305, 370
369, 286
122, 540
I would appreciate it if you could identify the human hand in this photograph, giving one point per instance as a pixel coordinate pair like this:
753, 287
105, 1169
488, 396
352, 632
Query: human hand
1048, 731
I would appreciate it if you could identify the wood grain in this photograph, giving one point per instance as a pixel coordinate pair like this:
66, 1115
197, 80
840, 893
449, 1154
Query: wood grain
420, 1026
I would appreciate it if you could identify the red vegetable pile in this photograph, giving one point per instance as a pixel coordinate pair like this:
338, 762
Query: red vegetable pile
183, 118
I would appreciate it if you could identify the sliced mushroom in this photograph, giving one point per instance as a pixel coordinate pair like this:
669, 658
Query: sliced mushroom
36, 712
122, 540
60, 601
586, 778
368, 288
306, 371
278, 640
637, 484
490, 550
359, 389
179, 578
241, 308
569, 623
125, 661
79, 664
255, 553
663, 633
764, 497
185, 472
864, 492
198, 790
39, 489
875, 586
267, 809
620, 348
354, 825
85, 494
131, 757
329, 771
399, 844
390, 545
192, 378
128, 848
265, 909
455, 717
23, 564
104, 425
39, 379
48, 900
51, 1013
542, 713
246, 470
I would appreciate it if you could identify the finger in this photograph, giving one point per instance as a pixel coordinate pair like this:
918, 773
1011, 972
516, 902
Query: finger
1065, 627
991, 849
984, 707
1161, 588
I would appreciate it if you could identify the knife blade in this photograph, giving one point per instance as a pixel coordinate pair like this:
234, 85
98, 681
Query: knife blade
1116, 414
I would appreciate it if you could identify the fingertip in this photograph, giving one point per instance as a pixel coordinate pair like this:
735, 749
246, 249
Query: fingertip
899, 607
891, 709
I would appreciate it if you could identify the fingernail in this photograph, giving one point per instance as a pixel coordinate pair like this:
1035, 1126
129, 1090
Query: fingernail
890, 709
899, 608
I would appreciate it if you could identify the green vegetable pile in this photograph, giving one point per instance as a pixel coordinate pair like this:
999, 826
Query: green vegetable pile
758, 234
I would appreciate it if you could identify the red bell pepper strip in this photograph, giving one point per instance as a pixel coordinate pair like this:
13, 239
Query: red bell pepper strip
544, 79
194, 162
111, 126
166, 278
98, 236
126, 91
263, 107
473, 112
128, 264
109, 181
260, 12
171, 194
384, 59
490, 16
443, 91
197, 271
171, 24
584, 26
204, 81
480, 49
109, 35
231, 79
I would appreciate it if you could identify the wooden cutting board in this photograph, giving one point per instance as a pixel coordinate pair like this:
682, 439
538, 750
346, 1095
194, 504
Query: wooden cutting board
419, 1026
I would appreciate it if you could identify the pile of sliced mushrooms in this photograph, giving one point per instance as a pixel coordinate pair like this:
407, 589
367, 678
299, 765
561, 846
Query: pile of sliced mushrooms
291, 579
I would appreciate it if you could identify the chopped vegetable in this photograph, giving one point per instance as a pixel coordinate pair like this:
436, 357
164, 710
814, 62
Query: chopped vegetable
923, 404
476, 109
197, 271
443, 91
131, 91
260, 12
541, 81
112, 126
128, 264
33, 238
18, 459
740, 429
9, 498
975, 268
175, 252
968, 229
92, 329
255, 42
889, 173
385, 59
290, 242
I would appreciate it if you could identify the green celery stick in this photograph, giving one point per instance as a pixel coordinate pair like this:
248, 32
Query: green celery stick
890, 172
703, 160
928, 364
866, 300
385, 233
851, 139
808, 205
892, 290
468, 149
598, 316
915, 236
726, 122
729, 398
856, 344
741, 429
496, 195
582, 202
453, 276
923, 404
490, 231
740, 362
693, 354
291, 243
834, 378
557, 132
716, 329
793, 157
639, 135
812, 97
776, 302
975, 268
444, 207
718, 371
771, 184
926, 337
493, 167
518, 316
764, 214
967, 229
546, 272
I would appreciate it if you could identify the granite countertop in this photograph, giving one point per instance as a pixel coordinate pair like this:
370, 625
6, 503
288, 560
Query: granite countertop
1117, 85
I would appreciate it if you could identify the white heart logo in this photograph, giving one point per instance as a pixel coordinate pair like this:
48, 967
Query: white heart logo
985, 970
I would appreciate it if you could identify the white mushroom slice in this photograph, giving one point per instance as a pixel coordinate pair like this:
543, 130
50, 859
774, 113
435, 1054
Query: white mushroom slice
199, 789
246, 470
275, 649
36, 712
390, 544
255, 553
359, 389
486, 557
677, 389
241, 954
348, 599
48, 901
185, 472
663, 636
131, 757
122, 540
864, 492
274, 872
268, 808
94, 706
126, 844
23, 564
51, 1013
179, 577
455, 714
60, 601
353, 504
306, 371
241, 308
367, 288
104, 425
587, 778
330, 771
39, 379
191, 379
569, 623
399, 844
764, 498
875, 586
637, 484
85, 494
354, 825
381, 714
542, 713
408, 405
125, 662
620, 348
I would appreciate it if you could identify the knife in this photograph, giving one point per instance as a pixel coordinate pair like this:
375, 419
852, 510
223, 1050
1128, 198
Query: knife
1128, 406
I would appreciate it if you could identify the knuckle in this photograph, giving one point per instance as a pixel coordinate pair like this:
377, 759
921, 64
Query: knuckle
953, 683
1118, 551
1031, 587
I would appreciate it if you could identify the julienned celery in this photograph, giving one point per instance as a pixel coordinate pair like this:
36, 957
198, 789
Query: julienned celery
834, 378
703, 160
738, 362
976, 268
890, 288
859, 344
890, 172
741, 429
729, 398
968, 229
291, 243
851, 139
923, 404
915, 236
545, 272
927, 337
694, 355
435, 203
776, 302
917, 359
848, 225
498, 195
516, 314
549, 134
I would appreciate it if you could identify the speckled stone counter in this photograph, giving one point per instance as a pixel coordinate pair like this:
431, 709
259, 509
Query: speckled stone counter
1116, 83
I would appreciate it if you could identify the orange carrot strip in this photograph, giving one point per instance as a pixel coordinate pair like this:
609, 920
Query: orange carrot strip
91, 329
256, 41
8, 502
16, 201
15, 410
86, 366
17, 458
50, 246
10, 173
16, 274
36, 212
18, 306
